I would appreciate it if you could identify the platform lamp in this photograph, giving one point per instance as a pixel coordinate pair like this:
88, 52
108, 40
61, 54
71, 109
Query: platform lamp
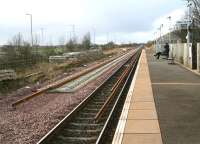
155, 41
31, 31
188, 37
169, 18
160, 39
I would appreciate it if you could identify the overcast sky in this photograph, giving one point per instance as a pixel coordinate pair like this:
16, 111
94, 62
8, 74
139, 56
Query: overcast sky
117, 20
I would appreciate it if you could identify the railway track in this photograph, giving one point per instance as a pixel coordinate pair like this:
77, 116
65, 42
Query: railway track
83, 80
71, 83
90, 121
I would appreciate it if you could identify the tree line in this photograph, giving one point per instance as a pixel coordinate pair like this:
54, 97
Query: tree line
18, 53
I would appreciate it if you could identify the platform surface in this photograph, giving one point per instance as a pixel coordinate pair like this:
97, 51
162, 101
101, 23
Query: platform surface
177, 97
139, 122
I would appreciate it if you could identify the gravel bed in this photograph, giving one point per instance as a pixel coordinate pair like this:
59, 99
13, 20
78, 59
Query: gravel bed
33, 119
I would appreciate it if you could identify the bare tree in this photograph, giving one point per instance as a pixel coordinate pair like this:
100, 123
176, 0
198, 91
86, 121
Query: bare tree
110, 44
71, 44
86, 41
17, 40
195, 6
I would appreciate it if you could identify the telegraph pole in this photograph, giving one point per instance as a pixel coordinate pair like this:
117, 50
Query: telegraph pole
42, 35
73, 31
107, 37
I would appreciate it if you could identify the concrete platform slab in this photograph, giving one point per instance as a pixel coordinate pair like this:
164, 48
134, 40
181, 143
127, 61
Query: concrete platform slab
142, 114
142, 126
143, 91
142, 106
142, 139
143, 99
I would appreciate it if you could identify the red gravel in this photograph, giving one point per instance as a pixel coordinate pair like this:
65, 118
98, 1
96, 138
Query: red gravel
33, 119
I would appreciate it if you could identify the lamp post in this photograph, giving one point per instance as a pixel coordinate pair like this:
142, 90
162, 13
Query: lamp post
160, 28
169, 28
189, 31
160, 39
188, 23
170, 45
155, 41
31, 22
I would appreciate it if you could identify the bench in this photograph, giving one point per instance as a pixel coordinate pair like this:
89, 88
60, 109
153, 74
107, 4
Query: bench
170, 60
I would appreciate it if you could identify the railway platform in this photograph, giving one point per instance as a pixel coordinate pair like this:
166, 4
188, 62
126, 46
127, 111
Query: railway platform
162, 106
176, 92
138, 123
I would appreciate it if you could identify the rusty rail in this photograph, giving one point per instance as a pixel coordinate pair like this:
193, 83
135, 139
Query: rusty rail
60, 83
101, 112
114, 114
122, 76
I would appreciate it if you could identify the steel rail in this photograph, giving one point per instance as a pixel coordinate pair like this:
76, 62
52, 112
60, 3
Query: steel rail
114, 91
121, 78
107, 126
58, 127
60, 83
